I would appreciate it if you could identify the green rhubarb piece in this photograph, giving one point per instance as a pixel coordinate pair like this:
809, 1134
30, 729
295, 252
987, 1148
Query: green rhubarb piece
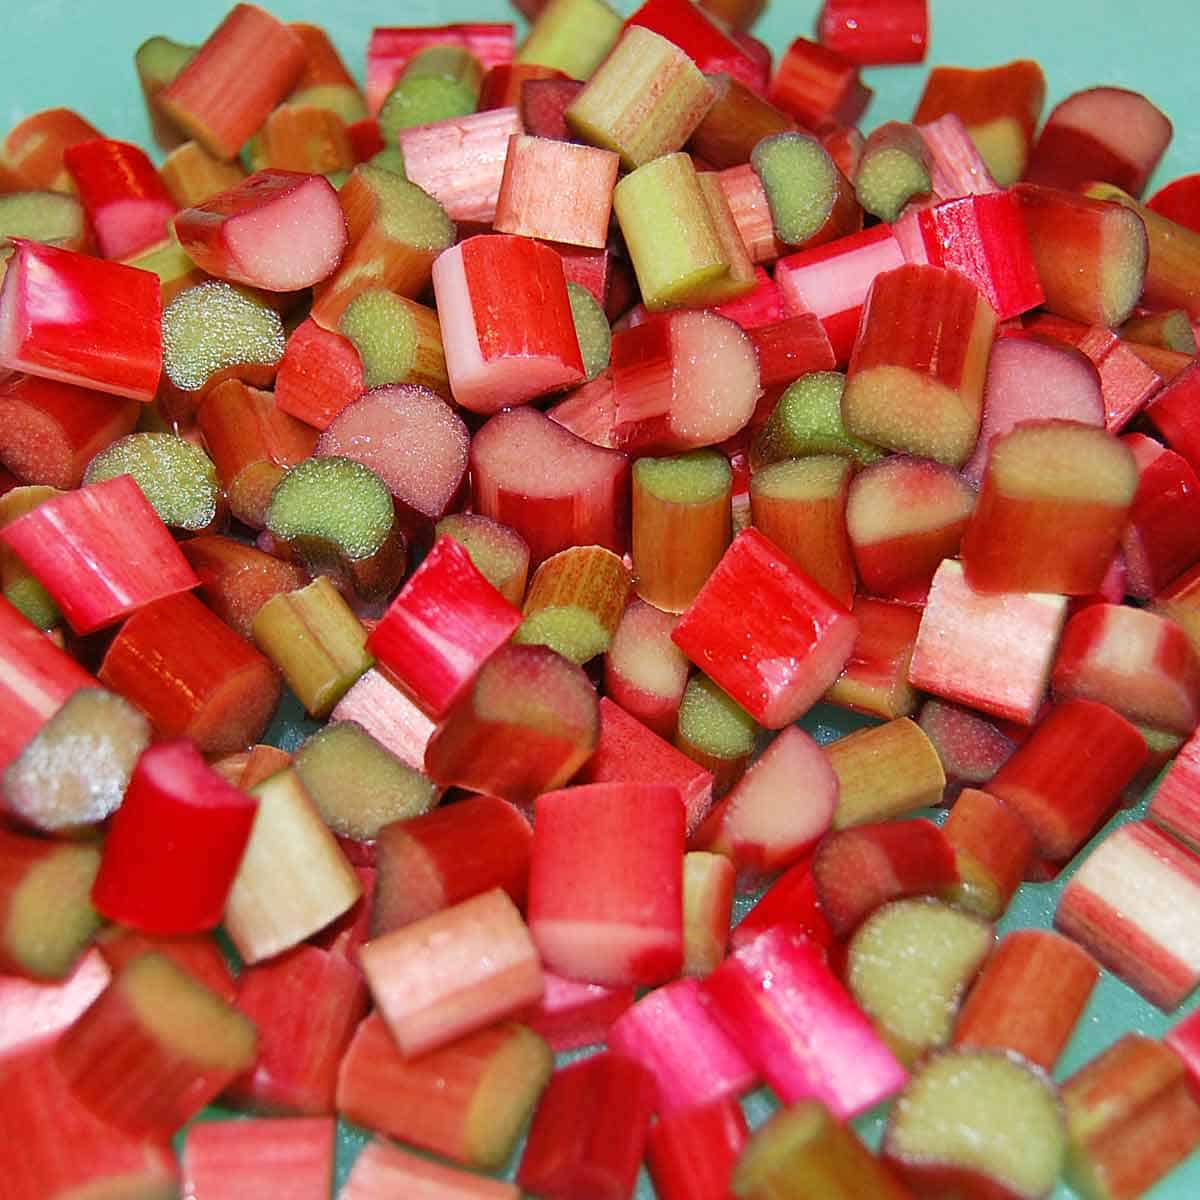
41, 217
359, 785
214, 326
383, 332
390, 158
573, 36
332, 502
158, 60
177, 477
338, 98
439, 83
670, 238
569, 630
808, 420
698, 477
591, 328
893, 169
407, 213
800, 180
33, 602
168, 260
714, 722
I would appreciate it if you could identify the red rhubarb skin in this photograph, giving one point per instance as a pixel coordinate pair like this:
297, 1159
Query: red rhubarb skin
81, 320
790, 639
34, 148
1179, 201
1162, 538
38, 679
790, 901
644, 633
441, 628
706, 44
197, 954
33, 1010
691, 1155
1175, 413
993, 847
320, 374
589, 1131
286, 1159
192, 675
795, 1022
101, 552
126, 201
870, 34
388, 715
971, 747
174, 845
615, 918
1066, 778
815, 85
1176, 803
875, 680
571, 1015
447, 855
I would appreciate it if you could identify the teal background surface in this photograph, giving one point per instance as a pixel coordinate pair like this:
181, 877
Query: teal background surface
79, 54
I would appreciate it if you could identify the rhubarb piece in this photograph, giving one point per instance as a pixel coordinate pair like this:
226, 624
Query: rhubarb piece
571, 1015
383, 1169
999, 106
390, 49
979, 1122
542, 106
736, 121
856, 871
613, 919
573, 36
74, 771
45, 889
498, 353
1049, 486
1160, 541
222, 697
807, 420
1091, 255
1030, 378
1177, 202
245, 68
681, 525
644, 671
1174, 805
776, 812
804, 1150
303, 135
789, 667
672, 1035
875, 679
316, 641
1028, 997
177, 477
788, 347
467, 1102
802, 1032
644, 101
990, 652
528, 723
50, 217
154, 1048
34, 147
1173, 413
915, 381
398, 340
18, 583
591, 328
237, 580
574, 602
388, 715
293, 879
338, 516
893, 170
551, 487
1169, 330
909, 965
790, 901
1066, 778
1101, 133
101, 552
220, 1157
811, 201
305, 1004
992, 848
904, 516
872, 33
504, 83
691, 1155
815, 84
430, 862
1130, 1119
499, 554
31, 1011
884, 771
750, 209
192, 175
715, 731
252, 442
441, 628
452, 973
800, 506
704, 41
588, 1133
198, 955
438, 82
1122, 904
1133, 660
81, 320
708, 886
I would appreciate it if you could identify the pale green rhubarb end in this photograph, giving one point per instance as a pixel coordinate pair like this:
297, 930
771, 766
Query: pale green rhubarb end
338, 98
894, 168
713, 722
177, 477
384, 334
19, 585
807, 420
591, 328
569, 630
573, 36
158, 60
440, 82
407, 214
51, 217
390, 158
497, 552
698, 477
214, 326
800, 180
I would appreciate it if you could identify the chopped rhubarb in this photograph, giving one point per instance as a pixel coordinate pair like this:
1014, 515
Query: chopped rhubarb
875, 680
691, 1155
873, 32
383, 1170
32, 1010
992, 848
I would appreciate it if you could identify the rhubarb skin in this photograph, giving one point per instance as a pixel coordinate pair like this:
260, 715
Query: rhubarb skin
691, 1155
992, 847
383, 1169
614, 919
1175, 806
1162, 539
815, 85
790, 901
875, 34
915, 381
774, 670
33, 1010
803, 1032
571, 1015
644, 671
174, 845
320, 374
62, 313
290, 1159
875, 679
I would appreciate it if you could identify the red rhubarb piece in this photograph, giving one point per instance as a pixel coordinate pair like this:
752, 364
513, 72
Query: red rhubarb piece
81, 320
1179, 201
383, 1170
571, 1015
288, 1159
815, 84
971, 747
1175, 413
32, 1010
875, 32
644, 671
1176, 803
792, 901
701, 38
320, 374
175, 844
708, 885
1162, 539
280, 231
198, 954
691, 1154
992, 849
34, 147
875, 680
775, 667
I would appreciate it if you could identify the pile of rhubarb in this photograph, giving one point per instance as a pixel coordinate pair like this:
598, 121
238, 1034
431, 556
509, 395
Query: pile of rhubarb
443, 529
